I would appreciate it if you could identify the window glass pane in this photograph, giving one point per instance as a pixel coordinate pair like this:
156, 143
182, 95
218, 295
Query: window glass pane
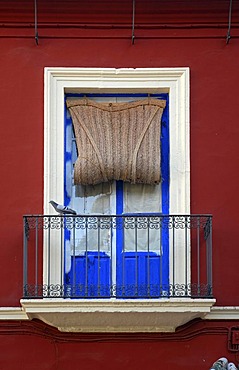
140, 198
93, 199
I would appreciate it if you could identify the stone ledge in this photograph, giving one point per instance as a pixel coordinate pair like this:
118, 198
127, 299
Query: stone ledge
112, 315
13, 313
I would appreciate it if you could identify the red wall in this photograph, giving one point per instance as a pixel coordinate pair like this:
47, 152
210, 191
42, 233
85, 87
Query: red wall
36, 346
214, 136
175, 37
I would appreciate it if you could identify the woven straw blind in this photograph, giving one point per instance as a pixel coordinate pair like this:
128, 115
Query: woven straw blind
117, 141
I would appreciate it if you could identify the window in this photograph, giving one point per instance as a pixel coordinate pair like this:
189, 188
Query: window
132, 261
117, 315
174, 82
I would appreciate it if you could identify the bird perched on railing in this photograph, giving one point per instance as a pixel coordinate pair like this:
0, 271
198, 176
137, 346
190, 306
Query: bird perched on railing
63, 210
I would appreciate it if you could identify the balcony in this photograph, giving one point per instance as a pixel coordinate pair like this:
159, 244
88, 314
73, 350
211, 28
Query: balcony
149, 272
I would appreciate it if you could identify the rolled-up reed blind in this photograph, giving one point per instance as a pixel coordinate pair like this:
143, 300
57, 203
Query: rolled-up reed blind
117, 141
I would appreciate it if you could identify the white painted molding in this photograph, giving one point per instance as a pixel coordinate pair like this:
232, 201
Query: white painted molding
147, 80
175, 81
223, 313
13, 313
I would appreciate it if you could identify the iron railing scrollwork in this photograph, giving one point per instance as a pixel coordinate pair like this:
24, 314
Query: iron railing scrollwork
79, 256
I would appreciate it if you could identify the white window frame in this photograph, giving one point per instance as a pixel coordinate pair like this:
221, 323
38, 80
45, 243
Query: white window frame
174, 81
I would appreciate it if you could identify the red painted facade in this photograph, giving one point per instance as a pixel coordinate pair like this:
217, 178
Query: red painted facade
98, 34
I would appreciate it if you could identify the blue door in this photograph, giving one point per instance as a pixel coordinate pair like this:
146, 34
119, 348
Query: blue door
126, 256
141, 244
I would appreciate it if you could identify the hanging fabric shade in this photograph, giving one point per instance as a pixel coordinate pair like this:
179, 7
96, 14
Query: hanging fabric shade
117, 141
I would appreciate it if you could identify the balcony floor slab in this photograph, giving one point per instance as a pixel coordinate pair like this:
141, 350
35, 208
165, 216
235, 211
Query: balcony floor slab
116, 315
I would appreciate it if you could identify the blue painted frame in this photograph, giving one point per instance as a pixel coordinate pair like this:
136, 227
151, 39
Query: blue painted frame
159, 264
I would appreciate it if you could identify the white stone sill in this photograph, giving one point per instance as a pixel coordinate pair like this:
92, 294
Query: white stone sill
114, 315
33, 308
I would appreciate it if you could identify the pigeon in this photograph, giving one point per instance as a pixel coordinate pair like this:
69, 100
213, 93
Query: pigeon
231, 366
62, 209
220, 364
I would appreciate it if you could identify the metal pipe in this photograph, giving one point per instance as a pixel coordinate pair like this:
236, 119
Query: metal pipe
173, 247
35, 20
136, 255
36, 257
25, 257
198, 256
229, 23
209, 257
133, 19
62, 226
49, 256
148, 260
98, 259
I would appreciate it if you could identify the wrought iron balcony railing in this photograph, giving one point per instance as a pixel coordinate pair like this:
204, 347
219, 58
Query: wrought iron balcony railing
127, 256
